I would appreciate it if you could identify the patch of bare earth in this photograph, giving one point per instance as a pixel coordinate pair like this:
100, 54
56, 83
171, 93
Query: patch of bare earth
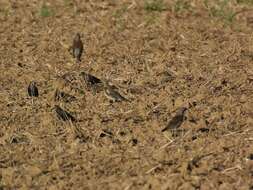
159, 60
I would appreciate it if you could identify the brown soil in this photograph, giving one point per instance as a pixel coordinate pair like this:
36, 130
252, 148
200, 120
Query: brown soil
159, 60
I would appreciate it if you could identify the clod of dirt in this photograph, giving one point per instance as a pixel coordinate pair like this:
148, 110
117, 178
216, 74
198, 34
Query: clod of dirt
192, 120
166, 77
21, 65
137, 119
251, 156
106, 133
17, 139
203, 130
134, 141
82, 138
192, 104
116, 141
122, 133
135, 90
105, 119
194, 138
195, 162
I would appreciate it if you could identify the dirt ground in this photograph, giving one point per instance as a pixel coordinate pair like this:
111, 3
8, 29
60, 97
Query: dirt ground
161, 55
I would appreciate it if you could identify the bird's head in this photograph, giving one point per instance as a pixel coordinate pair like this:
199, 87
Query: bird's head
182, 110
55, 107
83, 74
33, 83
77, 37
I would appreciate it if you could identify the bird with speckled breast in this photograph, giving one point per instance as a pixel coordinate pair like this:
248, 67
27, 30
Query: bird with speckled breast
112, 94
63, 115
33, 89
77, 47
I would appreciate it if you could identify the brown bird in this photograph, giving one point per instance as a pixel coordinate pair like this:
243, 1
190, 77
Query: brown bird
92, 83
90, 80
112, 94
60, 95
77, 47
63, 115
32, 89
177, 120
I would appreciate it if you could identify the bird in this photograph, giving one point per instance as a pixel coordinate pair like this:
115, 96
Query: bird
112, 94
92, 82
63, 115
77, 47
90, 79
177, 120
33, 89
60, 95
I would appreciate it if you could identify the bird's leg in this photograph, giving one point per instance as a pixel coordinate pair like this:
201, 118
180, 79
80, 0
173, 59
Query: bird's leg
174, 132
93, 91
78, 61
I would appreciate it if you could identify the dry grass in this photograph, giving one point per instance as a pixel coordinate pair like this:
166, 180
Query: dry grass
205, 48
